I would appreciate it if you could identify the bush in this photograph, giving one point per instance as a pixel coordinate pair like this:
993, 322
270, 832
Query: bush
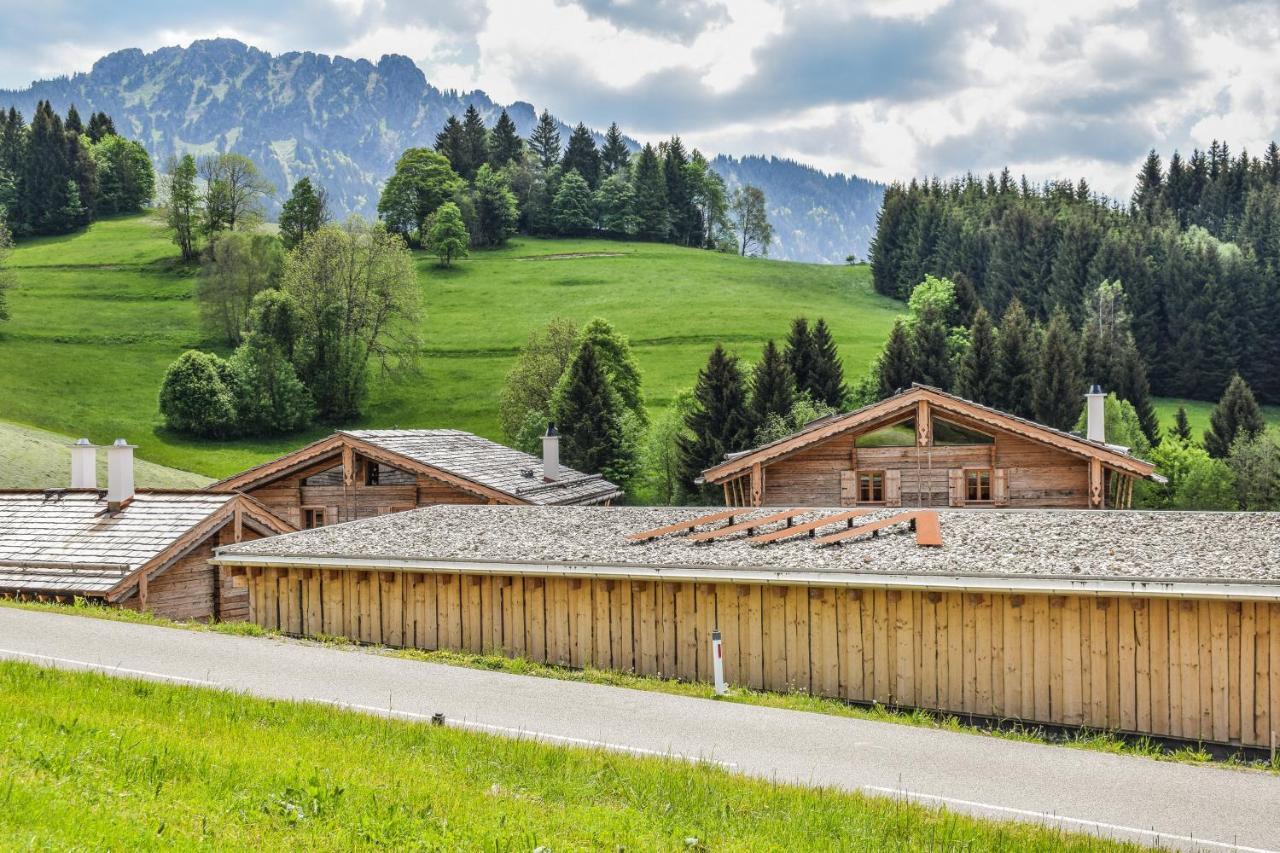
196, 396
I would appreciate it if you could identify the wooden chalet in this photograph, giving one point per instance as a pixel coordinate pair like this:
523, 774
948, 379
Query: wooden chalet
362, 473
148, 550
924, 447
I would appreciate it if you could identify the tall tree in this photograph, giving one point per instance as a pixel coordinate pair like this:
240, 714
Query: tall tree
932, 348
826, 378
772, 386
1018, 357
494, 208
896, 369
1149, 192
47, 204
615, 206
524, 405
447, 236
1181, 426
303, 212
1059, 386
234, 192
680, 208
126, 180
589, 417
100, 127
423, 180
73, 123
980, 365
6, 275
505, 144
269, 397
451, 145
544, 142
653, 220
719, 421
613, 351
572, 209
238, 267
615, 158
182, 204
580, 155
1236, 416
712, 203
475, 143
799, 353
750, 221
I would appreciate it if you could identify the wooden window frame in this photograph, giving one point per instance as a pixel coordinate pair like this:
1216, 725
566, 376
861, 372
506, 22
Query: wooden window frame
324, 516
372, 473
872, 487
973, 490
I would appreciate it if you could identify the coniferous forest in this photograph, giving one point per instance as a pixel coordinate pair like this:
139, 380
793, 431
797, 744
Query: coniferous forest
1195, 252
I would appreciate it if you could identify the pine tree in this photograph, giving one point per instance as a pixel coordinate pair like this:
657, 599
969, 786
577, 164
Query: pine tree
650, 204
897, 365
544, 142
1237, 415
799, 353
505, 144
451, 143
1147, 195
101, 126
772, 386
73, 123
1129, 381
826, 379
933, 353
45, 204
494, 210
1016, 363
614, 157
720, 422
302, 213
1182, 426
581, 155
475, 143
980, 365
588, 415
1059, 386
680, 209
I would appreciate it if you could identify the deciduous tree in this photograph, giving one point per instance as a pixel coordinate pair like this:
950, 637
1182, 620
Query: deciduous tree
447, 236
422, 181
750, 221
238, 266
182, 204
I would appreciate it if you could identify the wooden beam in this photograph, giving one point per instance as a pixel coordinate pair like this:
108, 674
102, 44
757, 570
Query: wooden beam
749, 525
1095, 484
807, 527
757, 485
682, 526
924, 424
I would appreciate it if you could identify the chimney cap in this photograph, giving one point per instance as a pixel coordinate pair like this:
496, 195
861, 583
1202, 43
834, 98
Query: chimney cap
120, 442
83, 442
1095, 388
551, 431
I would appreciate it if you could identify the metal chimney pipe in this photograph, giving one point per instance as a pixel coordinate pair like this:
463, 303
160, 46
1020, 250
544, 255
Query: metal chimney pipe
1095, 415
119, 473
551, 454
84, 465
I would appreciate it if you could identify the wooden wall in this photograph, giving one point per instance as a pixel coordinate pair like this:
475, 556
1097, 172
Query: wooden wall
194, 588
1201, 670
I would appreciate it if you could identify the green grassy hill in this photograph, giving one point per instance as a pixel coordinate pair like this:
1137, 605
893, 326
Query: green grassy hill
33, 458
97, 317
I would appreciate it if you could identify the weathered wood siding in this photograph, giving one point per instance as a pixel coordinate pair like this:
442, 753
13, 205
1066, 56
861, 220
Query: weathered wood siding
194, 588
1201, 670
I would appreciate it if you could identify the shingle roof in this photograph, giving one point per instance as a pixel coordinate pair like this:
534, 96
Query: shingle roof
490, 464
988, 542
65, 541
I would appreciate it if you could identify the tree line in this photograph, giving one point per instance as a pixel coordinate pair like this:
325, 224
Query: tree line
57, 175
1196, 253
489, 183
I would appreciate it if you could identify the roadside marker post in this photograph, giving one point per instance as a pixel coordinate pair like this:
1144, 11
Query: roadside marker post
717, 657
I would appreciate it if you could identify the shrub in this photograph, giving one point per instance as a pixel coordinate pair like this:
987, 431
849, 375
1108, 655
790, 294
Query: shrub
196, 396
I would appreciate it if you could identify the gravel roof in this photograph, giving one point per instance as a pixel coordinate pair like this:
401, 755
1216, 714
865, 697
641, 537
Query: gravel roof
491, 464
1049, 543
64, 541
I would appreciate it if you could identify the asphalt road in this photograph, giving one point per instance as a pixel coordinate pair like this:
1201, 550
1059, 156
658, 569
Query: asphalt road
1137, 799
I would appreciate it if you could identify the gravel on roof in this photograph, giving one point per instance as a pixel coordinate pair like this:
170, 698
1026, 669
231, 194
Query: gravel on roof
1053, 543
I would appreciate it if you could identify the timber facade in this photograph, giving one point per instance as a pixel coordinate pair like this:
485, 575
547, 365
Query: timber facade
926, 448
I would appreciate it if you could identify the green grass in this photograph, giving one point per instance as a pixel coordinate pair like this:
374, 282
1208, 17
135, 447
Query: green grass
33, 457
1198, 412
90, 761
98, 316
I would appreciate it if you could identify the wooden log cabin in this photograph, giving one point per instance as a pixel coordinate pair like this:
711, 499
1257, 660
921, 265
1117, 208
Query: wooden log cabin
148, 549
356, 474
924, 447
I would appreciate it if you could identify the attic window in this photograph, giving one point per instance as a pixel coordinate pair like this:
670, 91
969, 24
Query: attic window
900, 434
946, 433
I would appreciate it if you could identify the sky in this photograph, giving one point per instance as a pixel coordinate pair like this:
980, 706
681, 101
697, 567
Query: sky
886, 89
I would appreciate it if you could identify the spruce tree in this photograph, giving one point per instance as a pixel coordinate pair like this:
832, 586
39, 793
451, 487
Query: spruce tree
73, 123
1147, 195
979, 367
101, 126
302, 213
1059, 386
450, 143
475, 143
897, 365
1181, 426
1016, 362
581, 155
544, 142
45, 205
650, 203
505, 144
799, 353
826, 379
614, 156
588, 415
573, 209
719, 421
1237, 415
772, 386
1129, 381
680, 209
933, 353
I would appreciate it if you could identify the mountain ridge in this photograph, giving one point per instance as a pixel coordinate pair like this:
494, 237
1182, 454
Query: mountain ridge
345, 122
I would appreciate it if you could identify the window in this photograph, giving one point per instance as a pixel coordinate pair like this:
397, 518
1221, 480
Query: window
948, 434
312, 516
977, 484
900, 434
871, 487
372, 473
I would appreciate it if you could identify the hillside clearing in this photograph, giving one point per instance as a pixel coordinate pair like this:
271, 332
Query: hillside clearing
202, 767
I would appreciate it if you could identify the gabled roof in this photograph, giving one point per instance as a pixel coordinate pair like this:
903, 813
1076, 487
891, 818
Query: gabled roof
903, 403
66, 542
471, 463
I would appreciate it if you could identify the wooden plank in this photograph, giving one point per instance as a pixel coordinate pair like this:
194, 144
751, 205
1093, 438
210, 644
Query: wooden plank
558, 621
902, 615
969, 694
1174, 616
1233, 670
774, 639
1189, 657
873, 528
602, 630
392, 601
1013, 706
271, 597
1142, 650
1041, 658
751, 636
808, 527
578, 602
686, 632
797, 631
883, 682
535, 602
1072, 671
1113, 663
472, 640
748, 526
1274, 670
1206, 669
644, 603
1128, 665
1219, 680
727, 622
824, 664
983, 611
682, 526
1158, 638
1248, 681
955, 651
704, 603
1262, 661
849, 606
450, 592
428, 618
927, 676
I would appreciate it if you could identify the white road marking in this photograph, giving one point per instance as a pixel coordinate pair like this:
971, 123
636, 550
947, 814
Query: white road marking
912, 796
105, 667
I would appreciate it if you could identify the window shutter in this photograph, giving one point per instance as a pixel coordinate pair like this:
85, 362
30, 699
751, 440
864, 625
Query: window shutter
955, 487
893, 487
848, 488
1000, 487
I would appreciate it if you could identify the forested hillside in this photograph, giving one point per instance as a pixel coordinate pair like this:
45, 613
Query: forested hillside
343, 123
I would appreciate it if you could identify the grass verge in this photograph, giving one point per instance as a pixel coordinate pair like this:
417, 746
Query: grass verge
95, 762
1098, 741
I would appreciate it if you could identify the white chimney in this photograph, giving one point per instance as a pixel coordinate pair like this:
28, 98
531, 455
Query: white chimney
84, 465
1095, 415
551, 454
119, 473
